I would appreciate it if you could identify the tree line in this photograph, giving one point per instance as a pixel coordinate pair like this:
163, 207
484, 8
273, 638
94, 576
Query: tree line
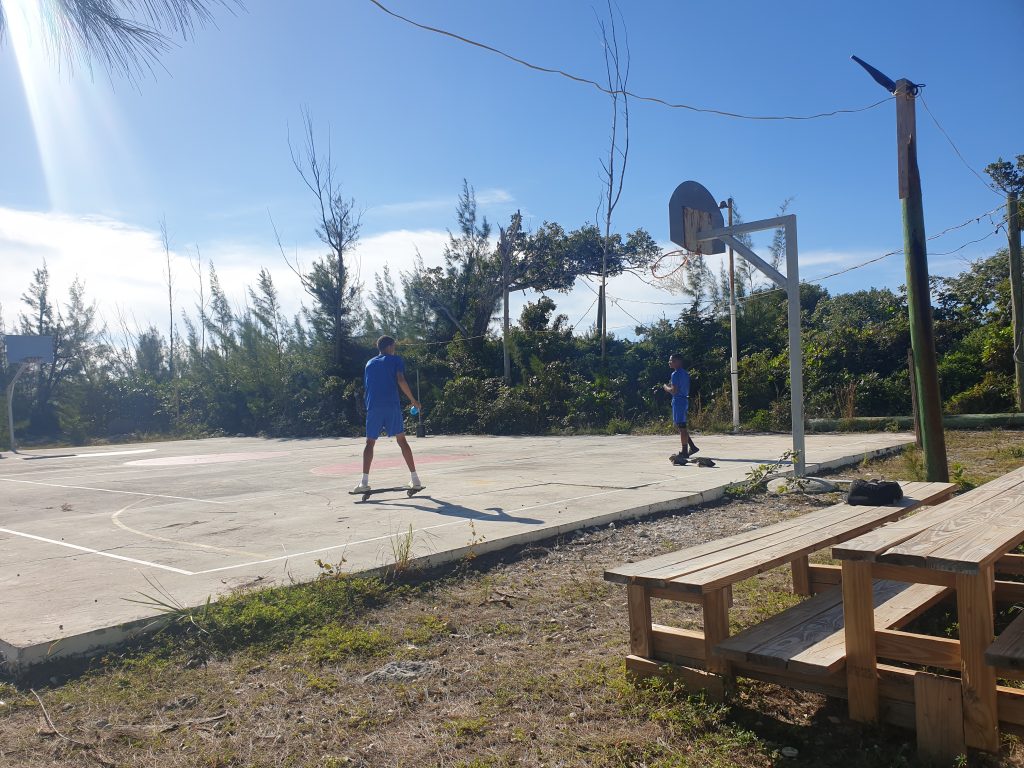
256, 372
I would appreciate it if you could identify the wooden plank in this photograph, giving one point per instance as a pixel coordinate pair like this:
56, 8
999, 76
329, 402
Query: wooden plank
939, 717
693, 679
906, 605
987, 527
671, 564
624, 573
779, 534
801, 576
809, 638
768, 553
912, 648
1008, 649
824, 576
771, 554
911, 574
871, 545
639, 606
671, 643
975, 616
861, 671
829, 685
745, 645
674, 595
1011, 705
1008, 591
1010, 565
992, 536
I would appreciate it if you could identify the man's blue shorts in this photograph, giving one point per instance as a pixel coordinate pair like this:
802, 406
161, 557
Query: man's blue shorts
388, 419
679, 412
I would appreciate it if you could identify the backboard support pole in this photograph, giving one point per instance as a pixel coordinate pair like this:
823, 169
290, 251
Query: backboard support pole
791, 283
10, 406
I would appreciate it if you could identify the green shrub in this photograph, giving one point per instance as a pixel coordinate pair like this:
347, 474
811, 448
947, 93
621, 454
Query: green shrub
993, 394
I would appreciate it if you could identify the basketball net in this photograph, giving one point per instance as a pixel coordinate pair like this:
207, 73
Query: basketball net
671, 262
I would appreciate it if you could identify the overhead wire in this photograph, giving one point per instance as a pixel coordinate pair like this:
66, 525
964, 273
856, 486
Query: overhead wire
988, 185
615, 91
947, 230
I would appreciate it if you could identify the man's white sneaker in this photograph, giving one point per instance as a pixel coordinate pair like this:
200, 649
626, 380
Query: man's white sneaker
361, 488
414, 486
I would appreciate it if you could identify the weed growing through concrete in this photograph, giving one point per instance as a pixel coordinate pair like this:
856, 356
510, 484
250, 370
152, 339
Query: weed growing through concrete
758, 477
401, 551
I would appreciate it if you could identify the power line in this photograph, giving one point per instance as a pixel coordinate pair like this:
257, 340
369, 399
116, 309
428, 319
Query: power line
617, 92
972, 242
935, 120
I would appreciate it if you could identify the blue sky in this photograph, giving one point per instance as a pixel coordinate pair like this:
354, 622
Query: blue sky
92, 165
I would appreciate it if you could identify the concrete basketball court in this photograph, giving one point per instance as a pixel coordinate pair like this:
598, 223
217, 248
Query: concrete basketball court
83, 532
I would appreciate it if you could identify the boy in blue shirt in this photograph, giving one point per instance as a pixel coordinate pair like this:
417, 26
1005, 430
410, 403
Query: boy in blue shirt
383, 377
679, 388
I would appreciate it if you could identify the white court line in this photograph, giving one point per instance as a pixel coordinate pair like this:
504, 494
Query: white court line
113, 453
115, 519
111, 490
420, 530
97, 552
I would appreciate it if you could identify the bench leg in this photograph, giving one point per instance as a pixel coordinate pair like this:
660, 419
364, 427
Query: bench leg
975, 614
861, 658
938, 715
639, 604
716, 630
801, 576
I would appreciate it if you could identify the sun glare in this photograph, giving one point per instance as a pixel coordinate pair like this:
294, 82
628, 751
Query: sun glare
73, 117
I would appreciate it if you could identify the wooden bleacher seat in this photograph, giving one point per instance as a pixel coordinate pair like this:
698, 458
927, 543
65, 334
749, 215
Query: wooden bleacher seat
809, 638
1007, 652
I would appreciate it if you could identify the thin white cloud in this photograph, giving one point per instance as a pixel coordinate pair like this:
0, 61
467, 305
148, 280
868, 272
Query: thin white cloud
124, 267
440, 204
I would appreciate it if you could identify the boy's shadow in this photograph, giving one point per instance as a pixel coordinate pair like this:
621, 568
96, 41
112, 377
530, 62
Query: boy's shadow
457, 510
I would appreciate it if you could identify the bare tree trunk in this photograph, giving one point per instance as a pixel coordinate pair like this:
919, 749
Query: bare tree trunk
617, 73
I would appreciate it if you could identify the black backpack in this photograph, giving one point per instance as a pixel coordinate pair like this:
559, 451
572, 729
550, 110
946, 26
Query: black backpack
874, 492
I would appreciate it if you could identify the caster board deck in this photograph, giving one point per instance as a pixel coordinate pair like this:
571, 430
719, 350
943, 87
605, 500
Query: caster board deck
700, 461
410, 492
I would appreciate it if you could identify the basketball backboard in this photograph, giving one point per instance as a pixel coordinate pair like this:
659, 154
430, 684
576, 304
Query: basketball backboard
23, 349
692, 209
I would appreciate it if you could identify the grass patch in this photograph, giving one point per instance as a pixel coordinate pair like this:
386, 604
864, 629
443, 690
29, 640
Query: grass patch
428, 629
265, 619
335, 643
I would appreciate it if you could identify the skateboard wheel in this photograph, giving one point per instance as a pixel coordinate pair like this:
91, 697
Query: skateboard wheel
366, 496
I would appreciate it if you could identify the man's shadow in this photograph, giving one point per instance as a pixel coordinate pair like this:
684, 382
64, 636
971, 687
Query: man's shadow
492, 514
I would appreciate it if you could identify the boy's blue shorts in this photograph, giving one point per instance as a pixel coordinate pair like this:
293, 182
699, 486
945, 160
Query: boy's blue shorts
384, 419
679, 413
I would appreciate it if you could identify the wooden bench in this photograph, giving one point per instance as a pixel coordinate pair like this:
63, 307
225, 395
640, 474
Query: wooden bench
704, 574
719, 563
960, 544
809, 638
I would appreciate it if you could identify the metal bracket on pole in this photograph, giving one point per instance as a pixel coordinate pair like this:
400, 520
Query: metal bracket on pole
791, 282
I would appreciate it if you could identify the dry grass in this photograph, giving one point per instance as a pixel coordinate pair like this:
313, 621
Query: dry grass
522, 661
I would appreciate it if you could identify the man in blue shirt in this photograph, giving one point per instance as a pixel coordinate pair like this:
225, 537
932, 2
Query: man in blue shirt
383, 377
679, 388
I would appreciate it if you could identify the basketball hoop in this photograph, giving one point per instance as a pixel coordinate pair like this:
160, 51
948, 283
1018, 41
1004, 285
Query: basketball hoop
667, 259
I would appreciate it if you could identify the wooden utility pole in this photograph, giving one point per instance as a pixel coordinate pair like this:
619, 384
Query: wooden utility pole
919, 303
922, 332
1013, 234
